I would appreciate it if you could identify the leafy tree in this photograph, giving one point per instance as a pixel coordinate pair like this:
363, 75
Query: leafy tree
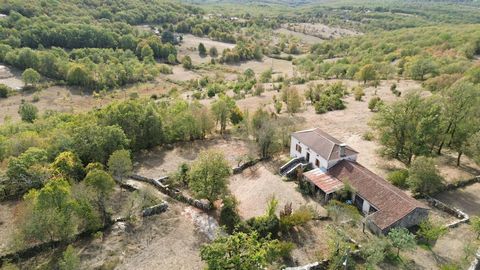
213, 52
168, 37
31, 76
94, 143
292, 98
242, 251
187, 62
70, 259
401, 239
50, 213
209, 175
222, 109
102, 185
229, 216
473, 147
120, 164
419, 67
423, 176
67, 165
367, 73
28, 112
459, 105
409, 127
374, 252
78, 75
202, 51
27, 171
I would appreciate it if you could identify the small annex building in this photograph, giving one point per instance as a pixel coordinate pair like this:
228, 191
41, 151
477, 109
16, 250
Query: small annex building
334, 165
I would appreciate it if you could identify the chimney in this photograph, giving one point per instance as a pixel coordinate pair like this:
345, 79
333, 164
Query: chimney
342, 150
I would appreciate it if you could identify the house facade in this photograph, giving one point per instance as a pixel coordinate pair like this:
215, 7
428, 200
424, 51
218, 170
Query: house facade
319, 148
334, 166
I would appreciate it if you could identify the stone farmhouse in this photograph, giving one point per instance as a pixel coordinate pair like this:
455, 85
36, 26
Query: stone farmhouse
333, 166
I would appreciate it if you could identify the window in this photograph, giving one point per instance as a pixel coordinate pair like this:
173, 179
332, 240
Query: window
298, 148
317, 162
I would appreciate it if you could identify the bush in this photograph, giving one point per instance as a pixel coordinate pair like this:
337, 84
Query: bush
398, 178
430, 232
301, 216
164, 69
5, 91
368, 136
358, 93
187, 62
424, 177
374, 104
229, 214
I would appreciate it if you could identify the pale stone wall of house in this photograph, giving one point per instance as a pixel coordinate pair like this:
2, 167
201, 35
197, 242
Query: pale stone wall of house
412, 219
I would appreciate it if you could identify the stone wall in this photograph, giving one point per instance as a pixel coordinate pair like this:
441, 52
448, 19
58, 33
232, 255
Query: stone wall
462, 216
174, 193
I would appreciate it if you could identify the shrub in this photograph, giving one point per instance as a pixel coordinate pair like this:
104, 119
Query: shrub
398, 178
368, 136
430, 232
301, 216
187, 62
259, 89
358, 93
229, 214
374, 104
424, 177
5, 91
164, 69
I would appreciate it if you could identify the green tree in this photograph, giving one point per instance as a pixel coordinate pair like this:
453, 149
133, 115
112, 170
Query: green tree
419, 67
222, 109
243, 251
459, 105
367, 73
229, 216
401, 239
120, 164
187, 62
67, 165
102, 185
28, 112
70, 260
409, 127
202, 51
31, 76
79, 75
50, 213
423, 176
374, 251
172, 59
213, 52
292, 98
208, 176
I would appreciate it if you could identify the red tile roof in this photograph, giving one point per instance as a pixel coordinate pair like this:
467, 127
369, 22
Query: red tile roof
325, 182
392, 203
322, 143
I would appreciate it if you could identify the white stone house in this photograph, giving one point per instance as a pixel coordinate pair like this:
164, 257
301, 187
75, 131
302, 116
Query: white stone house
334, 166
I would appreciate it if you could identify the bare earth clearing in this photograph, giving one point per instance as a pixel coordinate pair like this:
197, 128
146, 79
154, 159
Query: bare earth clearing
161, 162
466, 199
320, 30
74, 100
254, 187
305, 38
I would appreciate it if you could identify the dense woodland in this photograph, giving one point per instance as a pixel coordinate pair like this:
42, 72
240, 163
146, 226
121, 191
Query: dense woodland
64, 167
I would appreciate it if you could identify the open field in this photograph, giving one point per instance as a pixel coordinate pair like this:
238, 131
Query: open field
255, 186
318, 30
189, 46
308, 39
74, 100
160, 161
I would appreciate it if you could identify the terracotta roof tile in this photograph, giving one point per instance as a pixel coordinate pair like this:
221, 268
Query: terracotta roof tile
391, 202
325, 182
322, 143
